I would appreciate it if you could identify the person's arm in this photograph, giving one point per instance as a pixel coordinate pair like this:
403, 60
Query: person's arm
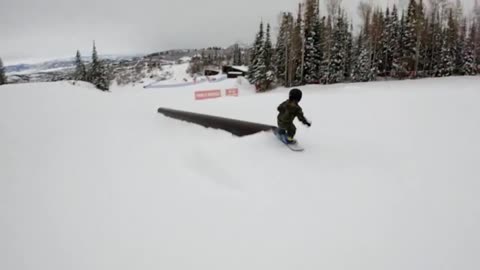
302, 118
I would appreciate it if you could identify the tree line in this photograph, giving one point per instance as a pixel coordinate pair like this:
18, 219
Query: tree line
433, 39
97, 72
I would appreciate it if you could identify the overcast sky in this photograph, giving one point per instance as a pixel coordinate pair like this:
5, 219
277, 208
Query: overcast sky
42, 29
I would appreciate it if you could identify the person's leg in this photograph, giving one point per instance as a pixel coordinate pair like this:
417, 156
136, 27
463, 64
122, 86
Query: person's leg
282, 128
291, 131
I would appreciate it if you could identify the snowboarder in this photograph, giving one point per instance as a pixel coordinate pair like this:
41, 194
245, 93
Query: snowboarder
288, 110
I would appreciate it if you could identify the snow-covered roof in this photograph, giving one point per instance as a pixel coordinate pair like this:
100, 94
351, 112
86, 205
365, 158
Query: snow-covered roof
242, 68
185, 59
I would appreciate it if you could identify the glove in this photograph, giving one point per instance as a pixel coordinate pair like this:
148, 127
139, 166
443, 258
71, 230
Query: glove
308, 123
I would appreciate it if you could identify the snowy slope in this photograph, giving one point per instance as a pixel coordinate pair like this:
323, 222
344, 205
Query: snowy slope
94, 180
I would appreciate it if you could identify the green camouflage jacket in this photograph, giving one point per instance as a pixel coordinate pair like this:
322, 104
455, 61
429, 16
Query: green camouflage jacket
288, 110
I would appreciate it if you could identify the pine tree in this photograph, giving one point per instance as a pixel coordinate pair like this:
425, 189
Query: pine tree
447, 60
363, 52
476, 50
318, 28
327, 48
311, 60
375, 40
356, 51
259, 63
395, 42
362, 71
282, 50
386, 50
426, 52
420, 39
348, 53
475, 37
3, 78
410, 38
256, 56
94, 71
297, 50
338, 53
265, 74
268, 47
460, 47
80, 70
322, 51
450, 48
98, 74
437, 45
468, 67
401, 66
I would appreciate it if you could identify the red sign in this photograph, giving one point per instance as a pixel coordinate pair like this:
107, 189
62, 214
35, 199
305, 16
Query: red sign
207, 94
232, 92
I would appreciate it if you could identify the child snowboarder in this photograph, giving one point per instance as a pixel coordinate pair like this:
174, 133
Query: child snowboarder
288, 110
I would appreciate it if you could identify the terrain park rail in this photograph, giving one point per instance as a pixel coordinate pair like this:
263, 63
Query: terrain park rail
236, 127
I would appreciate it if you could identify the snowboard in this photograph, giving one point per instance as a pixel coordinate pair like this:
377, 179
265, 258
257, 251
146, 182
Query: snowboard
296, 147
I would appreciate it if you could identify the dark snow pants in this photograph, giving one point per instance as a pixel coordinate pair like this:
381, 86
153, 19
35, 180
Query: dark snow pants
289, 128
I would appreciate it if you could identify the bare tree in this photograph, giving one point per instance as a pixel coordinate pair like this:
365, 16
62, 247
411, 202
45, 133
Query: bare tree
403, 4
365, 10
333, 7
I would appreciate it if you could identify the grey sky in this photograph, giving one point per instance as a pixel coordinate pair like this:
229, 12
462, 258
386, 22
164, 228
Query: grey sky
41, 29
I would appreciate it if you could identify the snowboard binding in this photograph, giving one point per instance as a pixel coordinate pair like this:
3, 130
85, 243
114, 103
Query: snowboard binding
283, 136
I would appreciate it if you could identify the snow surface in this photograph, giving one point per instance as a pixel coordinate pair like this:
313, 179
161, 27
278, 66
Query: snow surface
100, 180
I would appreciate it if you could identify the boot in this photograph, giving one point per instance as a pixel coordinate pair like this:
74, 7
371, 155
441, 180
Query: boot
291, 140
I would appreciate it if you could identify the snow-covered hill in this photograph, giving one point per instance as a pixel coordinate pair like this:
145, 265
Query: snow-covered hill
100, 180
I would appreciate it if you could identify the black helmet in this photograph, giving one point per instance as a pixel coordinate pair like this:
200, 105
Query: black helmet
295, 94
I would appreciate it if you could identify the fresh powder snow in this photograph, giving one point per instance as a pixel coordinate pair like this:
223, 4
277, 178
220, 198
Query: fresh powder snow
389, 179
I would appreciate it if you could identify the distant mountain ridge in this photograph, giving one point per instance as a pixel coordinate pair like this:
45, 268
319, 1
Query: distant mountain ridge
55, 64
125, 68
